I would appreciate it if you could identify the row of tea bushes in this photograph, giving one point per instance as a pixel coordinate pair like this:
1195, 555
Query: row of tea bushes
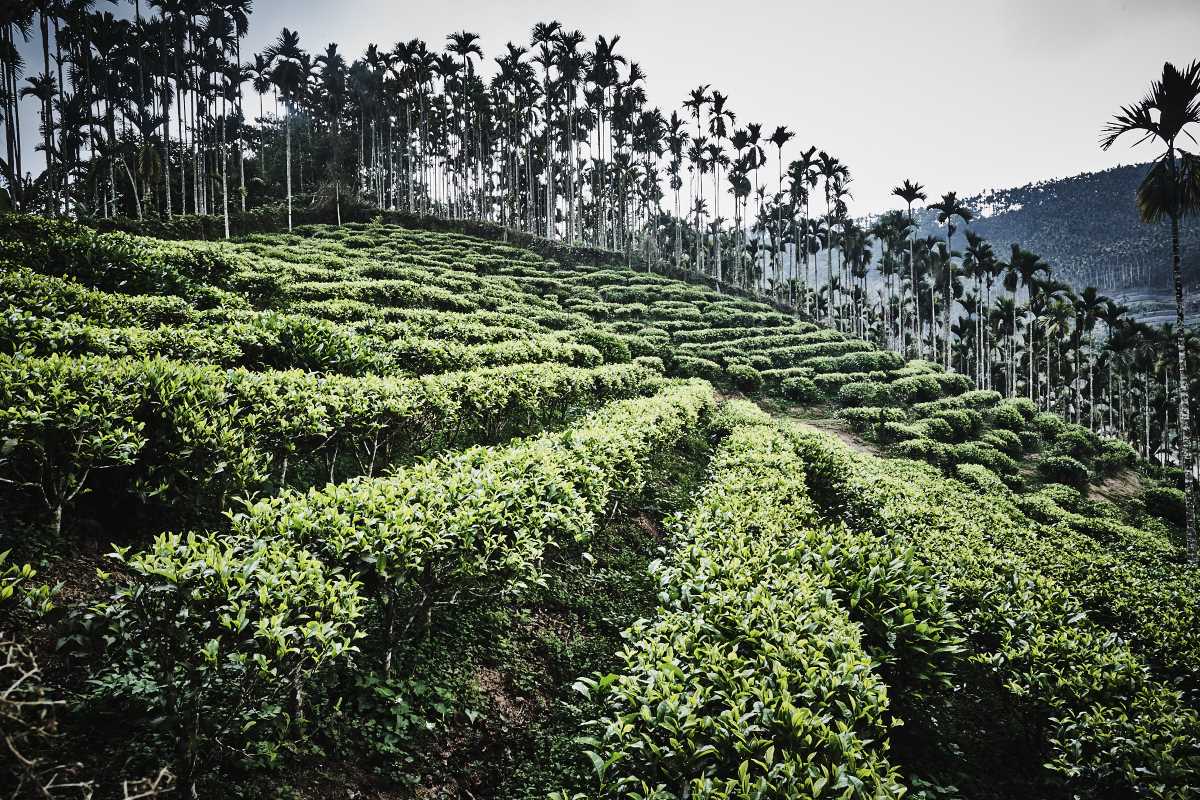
751, 680
469, 523
763, 673
118, 262
267, 340
211, 644
1099, 720
150, 437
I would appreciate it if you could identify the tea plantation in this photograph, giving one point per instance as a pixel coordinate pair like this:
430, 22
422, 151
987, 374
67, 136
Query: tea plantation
381, 512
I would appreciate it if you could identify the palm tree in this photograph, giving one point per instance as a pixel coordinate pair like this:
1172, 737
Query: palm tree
1089, 309
1171, 189
333, 92
696, 100
948, 208
676, 142
779, 138
1024, 267
910, 192
833, 172
45, 89
978, 264
571, 65
285, 55
465, 44
719, 121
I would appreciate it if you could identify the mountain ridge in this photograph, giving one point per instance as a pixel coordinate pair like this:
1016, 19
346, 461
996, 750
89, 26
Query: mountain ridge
1085, 226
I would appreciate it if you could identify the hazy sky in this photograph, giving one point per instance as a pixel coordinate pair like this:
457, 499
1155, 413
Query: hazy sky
960, 96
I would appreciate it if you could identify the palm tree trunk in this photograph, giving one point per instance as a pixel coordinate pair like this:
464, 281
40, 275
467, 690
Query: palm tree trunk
241, 156
1187, 451
949, 299
288, 123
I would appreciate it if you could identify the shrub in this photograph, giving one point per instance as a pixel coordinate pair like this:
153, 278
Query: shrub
699, 368
1113, 455
217, 639
964, 423
419, 537
975, 399
745, 377
1074, 442
937, 429
862, 393
914, 389
980, 478
50, 297
734, 414
1166, 503
650, 362
1064, 470
161, 434
919, 366
801, 390
1030, 440
1005, 441
890, 432
703, 695
868, 361
1024, 406
919, 449
1080, 696
1048, 425
1008, 417
114, 261
977, 453
863, 417
954, 383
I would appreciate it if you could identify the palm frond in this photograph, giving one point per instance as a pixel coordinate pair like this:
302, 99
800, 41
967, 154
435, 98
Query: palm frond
1160, 195
1134, 118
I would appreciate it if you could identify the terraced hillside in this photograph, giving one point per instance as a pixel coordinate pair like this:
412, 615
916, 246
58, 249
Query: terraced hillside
381, 512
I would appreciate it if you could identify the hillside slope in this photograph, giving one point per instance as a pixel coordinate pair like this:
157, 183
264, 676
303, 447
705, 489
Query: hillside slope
1087, 227
398, 513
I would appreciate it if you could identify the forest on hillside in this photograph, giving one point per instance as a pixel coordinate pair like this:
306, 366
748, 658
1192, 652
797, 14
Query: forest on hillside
1086, 226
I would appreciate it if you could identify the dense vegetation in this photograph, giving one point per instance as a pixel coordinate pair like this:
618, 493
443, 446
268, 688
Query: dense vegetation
160, 124
420, 512
399, 443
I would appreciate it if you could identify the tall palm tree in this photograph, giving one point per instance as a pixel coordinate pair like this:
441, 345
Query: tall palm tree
948, 208
911, 192
677, 139
1025, 266
720, 120
696, 102
333, 86
1171, 189
833, 172
978, 265
285, 56
45, 89
779, 138
465, 45
804, 170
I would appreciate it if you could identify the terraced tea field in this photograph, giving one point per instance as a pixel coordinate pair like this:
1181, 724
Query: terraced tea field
368, 511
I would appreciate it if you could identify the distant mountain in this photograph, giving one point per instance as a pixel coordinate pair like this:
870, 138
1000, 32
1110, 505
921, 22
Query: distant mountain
1087, 228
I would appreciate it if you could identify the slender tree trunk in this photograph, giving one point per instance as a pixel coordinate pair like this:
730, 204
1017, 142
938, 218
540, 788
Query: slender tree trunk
288, 123
224, 172
1187, 445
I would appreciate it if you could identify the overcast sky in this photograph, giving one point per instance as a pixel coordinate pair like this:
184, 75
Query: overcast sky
958, 95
